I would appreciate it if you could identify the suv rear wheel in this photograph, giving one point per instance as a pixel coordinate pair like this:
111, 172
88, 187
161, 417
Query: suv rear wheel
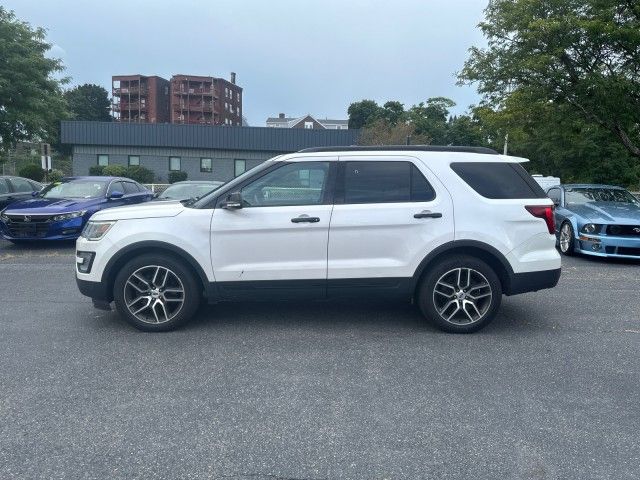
156, 293
460, 294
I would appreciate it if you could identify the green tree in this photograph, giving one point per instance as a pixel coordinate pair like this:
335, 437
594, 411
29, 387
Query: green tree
584, 54
430, 119
31, 101
381, 132
363, 112
392, 112
89, 102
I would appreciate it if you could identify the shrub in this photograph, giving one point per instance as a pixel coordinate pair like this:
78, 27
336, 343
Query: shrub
55, 176
32, 171
140, 174
115, 171
174, 177
96, 170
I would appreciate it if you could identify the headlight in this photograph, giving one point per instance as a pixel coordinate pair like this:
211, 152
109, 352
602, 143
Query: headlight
67, 216
590, 228
96, 230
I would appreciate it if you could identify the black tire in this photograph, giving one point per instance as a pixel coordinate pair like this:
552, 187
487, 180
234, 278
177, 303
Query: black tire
433, 295
169, 314
567, 249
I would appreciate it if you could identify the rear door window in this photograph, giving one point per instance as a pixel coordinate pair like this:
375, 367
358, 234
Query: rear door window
384, 182
499, 180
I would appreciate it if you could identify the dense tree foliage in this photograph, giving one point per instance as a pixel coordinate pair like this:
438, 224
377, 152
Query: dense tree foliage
31, 100
89, 102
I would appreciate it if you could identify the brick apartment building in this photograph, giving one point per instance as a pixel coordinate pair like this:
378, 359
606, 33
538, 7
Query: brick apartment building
187, 99
138, 98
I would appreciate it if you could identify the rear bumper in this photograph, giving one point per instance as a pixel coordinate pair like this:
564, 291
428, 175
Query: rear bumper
532, 281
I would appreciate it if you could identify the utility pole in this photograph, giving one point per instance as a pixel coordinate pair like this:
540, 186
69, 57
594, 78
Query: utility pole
506, 143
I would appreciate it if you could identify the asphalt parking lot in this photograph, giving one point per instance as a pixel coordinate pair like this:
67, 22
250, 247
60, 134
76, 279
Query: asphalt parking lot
550, 390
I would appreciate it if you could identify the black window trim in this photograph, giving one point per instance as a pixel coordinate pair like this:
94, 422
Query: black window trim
339, 196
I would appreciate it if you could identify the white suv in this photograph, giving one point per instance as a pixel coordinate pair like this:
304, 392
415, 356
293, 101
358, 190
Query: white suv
451, 228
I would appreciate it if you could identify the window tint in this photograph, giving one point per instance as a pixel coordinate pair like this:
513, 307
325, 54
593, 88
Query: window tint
115, 187
385, 182
4, 188
292, 184
21, 185
554, 194
499, 180
130, 188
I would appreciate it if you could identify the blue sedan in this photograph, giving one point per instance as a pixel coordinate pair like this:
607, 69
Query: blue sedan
60, 210
599, 220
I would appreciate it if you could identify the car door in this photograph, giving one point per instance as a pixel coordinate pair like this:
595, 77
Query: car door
389, 213
276, 244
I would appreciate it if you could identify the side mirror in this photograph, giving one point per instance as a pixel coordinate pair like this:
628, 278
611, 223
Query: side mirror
233, 201
34, 194
556, 203
115, 195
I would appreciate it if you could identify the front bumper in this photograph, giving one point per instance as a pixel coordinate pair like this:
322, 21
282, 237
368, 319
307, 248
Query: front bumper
608, 246
34, 231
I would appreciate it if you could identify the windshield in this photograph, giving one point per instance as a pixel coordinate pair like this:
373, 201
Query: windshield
204, 201
75, 189
579, 196
183, 192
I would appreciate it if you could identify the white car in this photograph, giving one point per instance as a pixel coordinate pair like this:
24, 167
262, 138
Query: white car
450, 228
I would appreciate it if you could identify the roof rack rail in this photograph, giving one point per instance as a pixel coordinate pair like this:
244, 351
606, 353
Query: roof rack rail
388, 148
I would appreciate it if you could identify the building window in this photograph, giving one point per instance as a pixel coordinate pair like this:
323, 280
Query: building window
206, 165
308, 124
240, 166
174, 164
134, 160
103, 160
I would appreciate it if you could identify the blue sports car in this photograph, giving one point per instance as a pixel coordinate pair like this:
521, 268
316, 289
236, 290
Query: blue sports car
61, 209
599, 220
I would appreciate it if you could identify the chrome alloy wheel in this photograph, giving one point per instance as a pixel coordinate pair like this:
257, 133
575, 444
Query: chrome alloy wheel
565, 238
154, 294
462, 296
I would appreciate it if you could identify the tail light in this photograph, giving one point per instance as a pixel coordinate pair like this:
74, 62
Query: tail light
544, 212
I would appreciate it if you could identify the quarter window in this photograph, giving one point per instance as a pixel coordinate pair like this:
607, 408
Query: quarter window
134, 160
206, 165
174, 164
499, 180
300, 183
385, 182
103, 160
239, 167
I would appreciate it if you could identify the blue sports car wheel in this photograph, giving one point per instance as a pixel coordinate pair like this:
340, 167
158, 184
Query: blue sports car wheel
566, 239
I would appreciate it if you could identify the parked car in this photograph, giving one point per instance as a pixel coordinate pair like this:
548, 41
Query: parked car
451, 228
61, 209
188, 190
600, 220
14, 189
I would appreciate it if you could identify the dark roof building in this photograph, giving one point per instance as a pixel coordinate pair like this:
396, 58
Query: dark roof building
205, 153
306, 121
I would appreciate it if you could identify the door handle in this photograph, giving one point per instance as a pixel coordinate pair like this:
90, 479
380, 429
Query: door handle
305, 219
428, 214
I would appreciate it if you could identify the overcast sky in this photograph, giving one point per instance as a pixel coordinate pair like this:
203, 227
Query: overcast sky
293, 56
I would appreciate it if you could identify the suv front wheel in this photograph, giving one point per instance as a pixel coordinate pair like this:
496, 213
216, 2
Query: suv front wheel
156, 293
460, 294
